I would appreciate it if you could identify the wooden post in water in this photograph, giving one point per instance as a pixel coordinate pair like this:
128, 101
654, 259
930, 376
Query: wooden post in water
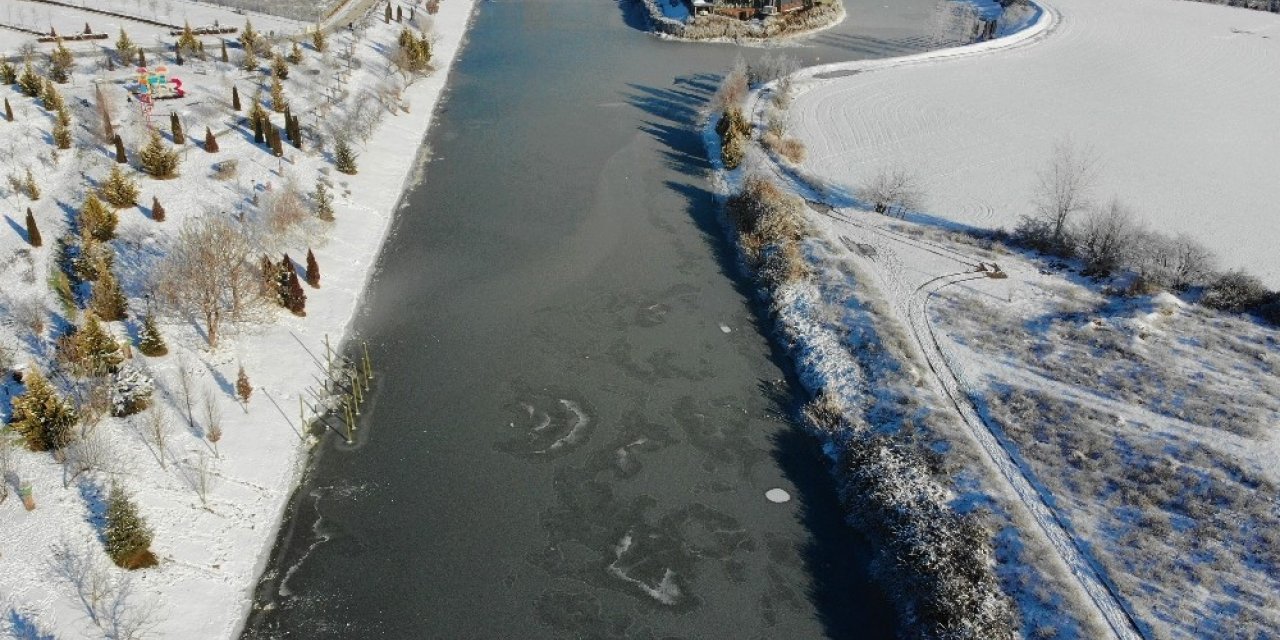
328, 353
368, 364
355, 388
302, 418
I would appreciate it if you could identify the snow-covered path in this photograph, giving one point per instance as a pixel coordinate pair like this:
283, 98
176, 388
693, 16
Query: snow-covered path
1178, 99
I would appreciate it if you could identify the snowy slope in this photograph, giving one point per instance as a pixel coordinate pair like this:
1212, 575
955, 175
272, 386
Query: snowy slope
1178, 99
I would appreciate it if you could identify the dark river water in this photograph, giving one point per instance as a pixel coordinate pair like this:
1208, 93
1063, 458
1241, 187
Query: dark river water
578, 412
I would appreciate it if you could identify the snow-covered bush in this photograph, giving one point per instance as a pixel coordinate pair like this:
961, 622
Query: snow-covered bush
1235, 291
131, 390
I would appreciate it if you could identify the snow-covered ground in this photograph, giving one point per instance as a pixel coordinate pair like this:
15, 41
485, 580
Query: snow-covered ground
1179, 101
210, 554
39, 16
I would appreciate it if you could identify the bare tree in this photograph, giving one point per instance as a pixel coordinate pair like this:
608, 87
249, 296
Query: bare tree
185, 386
108, 600
87, 454
892, 191
733, 88
1105, 238
212, 421
207, 273
199, 475
155, 430
1063, 188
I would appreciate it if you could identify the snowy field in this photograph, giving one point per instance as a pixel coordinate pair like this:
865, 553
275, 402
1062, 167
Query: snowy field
214, 508
38, 16
1178, 100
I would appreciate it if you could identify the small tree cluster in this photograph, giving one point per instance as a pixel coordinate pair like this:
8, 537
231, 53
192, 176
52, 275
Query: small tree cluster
41, 416
281, 280
158, 160
770, 225
415, 52
127, 536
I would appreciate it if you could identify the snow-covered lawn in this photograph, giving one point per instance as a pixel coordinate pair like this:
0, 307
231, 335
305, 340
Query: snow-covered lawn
38, 16
210, 554
1179, 100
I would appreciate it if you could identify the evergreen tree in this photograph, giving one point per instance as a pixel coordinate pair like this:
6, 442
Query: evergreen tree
324, 204
187, 42
8, 73
416, 52
386, 16
176, 126
313, 270
399, 13
278, 102
60, 63
318, 40
157, 210
256, 112
158, 160
248, 37
30, 185
277, 147
33, 232
295, 54
296, 298
127, 536
107, 300
30, 83
257, 131
279, 67
243, 388
142, 57
119, 188
250, 60
51, 98
344, 159
210, 142
124, 46
96, 220
8, 110
235, 98
225, 57
288, 124
296, 138
45, 420
177, 57
150, 342
121, 157
98, 351
61, 134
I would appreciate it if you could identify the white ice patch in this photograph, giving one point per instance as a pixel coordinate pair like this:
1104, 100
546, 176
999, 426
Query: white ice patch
577, 425
725, 328
666, 591
777, 496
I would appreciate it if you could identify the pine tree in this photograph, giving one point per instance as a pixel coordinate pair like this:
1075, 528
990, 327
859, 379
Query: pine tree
399, 13
225, 57
256, 112
158, 160
210, 142
257, 131
318, 40
60, 63
250, 60
121, 157
296, 299
98, 351
295, 54
176, 126
248, 37
8, 110
142, 57
51, 98
30, 186
8, 73
324, 204
30, 83
386, 17
296, 125
278, 101
313, 270
96, 220
33, 232
279, 67
235, 98
150, 342
157, 210
187, 42
127, 536
124, 46
45, 420
243, 388
277, 147
61, 134
177, 58
119, 188
288, 126
108, 300
344, 159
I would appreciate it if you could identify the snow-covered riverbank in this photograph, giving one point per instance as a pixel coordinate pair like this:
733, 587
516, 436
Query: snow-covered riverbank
211, 550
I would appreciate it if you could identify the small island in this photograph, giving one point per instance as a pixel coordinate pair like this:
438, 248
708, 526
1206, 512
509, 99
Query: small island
738, 20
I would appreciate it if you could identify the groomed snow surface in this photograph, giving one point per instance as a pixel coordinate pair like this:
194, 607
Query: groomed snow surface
210, 554
1179, 101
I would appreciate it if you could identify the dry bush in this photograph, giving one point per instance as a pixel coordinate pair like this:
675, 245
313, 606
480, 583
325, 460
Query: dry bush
285, 210
791, 149
225, 170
